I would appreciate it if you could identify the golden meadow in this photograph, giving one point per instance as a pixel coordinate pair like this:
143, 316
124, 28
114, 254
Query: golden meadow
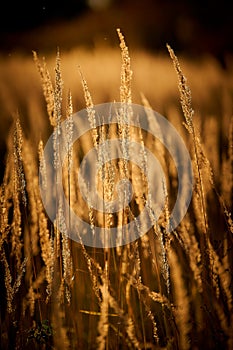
163, 291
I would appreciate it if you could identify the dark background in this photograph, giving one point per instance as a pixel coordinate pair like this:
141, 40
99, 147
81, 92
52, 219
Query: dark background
191, 27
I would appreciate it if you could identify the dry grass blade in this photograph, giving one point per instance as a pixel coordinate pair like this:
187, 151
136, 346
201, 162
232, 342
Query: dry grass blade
19, 192
11, 290
58, 91
47, 86
126, 72
186, 103
90, 110
182, 313
103, 325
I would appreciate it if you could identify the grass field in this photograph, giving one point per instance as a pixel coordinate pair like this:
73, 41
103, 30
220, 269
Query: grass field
162, 291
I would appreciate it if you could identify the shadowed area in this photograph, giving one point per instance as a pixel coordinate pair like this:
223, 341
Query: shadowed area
189, 27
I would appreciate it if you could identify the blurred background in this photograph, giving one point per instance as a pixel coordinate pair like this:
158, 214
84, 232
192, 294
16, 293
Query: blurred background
191, 27
85, 31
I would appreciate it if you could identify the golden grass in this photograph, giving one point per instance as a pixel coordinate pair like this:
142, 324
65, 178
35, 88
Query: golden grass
163, 291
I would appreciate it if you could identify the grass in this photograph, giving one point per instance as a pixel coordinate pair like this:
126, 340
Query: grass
162, 291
